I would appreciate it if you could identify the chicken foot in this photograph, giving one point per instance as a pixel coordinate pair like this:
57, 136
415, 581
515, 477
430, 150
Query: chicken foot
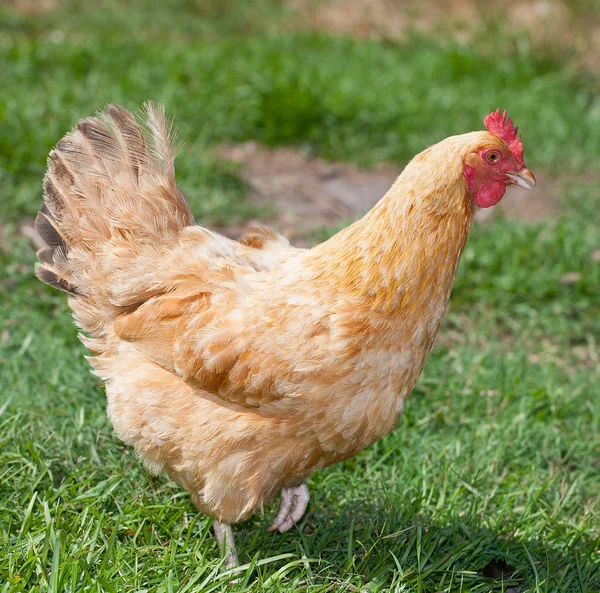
223, 533
292, 506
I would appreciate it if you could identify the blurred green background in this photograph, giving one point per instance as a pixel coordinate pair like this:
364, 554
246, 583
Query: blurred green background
491, 482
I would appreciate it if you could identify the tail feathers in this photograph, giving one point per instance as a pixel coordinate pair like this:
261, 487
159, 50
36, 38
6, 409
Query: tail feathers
47, 228
49, 276
111, 181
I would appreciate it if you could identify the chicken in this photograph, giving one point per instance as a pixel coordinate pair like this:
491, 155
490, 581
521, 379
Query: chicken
239, 368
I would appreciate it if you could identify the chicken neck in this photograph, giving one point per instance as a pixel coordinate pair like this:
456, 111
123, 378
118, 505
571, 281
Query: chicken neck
404, 253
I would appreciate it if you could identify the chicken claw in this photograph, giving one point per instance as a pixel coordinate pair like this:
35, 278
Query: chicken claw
292, 506
223, 530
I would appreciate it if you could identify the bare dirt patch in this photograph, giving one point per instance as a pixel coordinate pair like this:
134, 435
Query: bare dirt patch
33, 7
382, 18
307, 193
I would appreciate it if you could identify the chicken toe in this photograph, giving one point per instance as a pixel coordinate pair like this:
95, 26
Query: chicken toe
291, 507
224, 536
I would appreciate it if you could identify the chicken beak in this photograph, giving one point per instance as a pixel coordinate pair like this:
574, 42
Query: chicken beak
524, 179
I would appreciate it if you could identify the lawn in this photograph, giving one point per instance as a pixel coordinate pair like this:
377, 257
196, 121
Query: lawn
494, 467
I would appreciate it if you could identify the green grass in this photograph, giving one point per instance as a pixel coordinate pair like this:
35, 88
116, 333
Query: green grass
498, 453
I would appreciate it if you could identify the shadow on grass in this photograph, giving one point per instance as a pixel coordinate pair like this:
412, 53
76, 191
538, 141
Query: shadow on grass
396, 547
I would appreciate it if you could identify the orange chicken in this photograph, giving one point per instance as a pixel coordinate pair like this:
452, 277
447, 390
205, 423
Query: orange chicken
240, 367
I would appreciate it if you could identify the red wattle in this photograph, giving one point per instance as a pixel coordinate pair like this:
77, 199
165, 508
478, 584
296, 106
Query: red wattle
489, 194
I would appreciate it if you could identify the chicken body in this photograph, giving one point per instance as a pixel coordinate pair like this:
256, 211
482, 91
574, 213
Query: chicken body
279, 373
241, 367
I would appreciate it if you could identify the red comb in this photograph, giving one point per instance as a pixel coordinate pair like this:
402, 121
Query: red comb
497, 124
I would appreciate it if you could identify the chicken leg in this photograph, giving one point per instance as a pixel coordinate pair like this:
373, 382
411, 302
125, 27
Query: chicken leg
224, 533
292, 506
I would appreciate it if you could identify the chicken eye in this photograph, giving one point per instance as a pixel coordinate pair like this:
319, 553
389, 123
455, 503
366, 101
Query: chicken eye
492, 157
